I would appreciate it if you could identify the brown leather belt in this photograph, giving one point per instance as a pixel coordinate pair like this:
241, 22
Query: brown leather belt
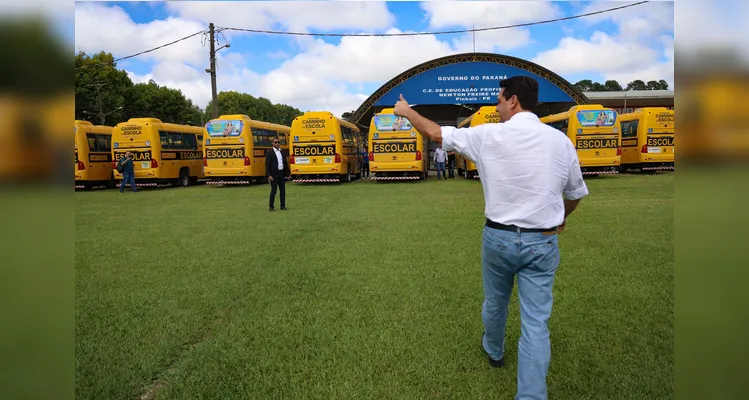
514, 228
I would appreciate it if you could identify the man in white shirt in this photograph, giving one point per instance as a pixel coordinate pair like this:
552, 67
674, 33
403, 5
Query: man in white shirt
532, 181
440, 157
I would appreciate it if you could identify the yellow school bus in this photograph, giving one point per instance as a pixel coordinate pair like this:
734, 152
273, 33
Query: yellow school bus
396, 149
485, 115
93, 155
162, 152
324, 148
234, 149
596, 133
648, 139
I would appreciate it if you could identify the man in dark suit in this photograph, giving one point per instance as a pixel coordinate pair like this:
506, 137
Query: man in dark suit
277, 169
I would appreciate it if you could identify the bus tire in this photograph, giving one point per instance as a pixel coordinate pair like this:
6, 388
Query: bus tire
112, 183
184, 177
466, 174
348, 175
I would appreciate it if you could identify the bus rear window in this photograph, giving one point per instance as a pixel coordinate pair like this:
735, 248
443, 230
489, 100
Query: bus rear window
390, 122
224, 127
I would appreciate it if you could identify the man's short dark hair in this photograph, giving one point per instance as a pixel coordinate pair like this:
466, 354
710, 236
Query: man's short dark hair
524, 87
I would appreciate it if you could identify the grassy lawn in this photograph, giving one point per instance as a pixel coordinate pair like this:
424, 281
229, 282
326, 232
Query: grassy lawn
361, 290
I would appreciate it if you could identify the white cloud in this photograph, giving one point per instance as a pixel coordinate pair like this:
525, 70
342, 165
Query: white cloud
647, 20
99, 27
278, 54
601, 53
289, 15
642, 47
487, 14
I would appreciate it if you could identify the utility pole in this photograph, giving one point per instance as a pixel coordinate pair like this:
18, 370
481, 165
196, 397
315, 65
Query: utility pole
474, 38
99, 105
213, 69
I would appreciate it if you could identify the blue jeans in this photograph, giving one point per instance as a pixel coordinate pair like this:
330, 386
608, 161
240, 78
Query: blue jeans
534, 258
127, 178
440, 169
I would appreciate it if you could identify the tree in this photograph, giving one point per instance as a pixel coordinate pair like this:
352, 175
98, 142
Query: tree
348, 114
587, 85
100, 88
261, 109
637, 85
612, 86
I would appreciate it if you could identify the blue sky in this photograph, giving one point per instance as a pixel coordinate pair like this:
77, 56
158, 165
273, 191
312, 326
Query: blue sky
337, 74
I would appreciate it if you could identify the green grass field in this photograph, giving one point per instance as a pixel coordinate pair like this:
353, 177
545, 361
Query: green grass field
361, 290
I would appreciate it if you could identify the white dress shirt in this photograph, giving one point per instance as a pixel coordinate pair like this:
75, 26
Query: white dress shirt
440, 155
279, 157
525, 168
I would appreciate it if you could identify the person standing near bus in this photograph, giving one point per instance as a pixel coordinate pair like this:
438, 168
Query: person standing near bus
451, 164
440, 157
128, 172
277, 170
527, 199
365, 163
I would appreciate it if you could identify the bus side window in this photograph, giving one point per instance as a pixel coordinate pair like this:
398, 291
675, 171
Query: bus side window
92, 145
175, 140
281, 138
190, 142
104, 142
164, 140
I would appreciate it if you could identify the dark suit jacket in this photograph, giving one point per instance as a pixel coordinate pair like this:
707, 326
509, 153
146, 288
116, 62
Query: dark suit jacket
271, 164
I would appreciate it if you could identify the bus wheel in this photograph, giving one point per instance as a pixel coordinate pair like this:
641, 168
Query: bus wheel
184, 177
348, 175
466, 174
112, 183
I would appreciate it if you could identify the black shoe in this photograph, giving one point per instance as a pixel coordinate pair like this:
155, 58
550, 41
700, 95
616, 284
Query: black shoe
496, 363
271, 209
283, 208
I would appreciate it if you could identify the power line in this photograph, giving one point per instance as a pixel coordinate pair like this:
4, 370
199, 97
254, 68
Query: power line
145, 51
440, 32
372, 34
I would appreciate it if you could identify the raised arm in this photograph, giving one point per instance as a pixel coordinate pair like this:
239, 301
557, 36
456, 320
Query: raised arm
466, 141
428, 128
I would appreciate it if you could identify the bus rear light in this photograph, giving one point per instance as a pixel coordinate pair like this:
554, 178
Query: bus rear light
644, 148
205, 162
337, 158
81, 166
246, 161
291, 159
371, 156
154, 164
618, 151
418, 155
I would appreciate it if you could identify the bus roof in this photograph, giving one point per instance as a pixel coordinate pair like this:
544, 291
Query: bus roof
165, 125
566, 114
254, 122
639, 112
330, 115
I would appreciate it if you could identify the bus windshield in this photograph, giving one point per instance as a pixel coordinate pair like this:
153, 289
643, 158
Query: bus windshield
390, 122
224, 127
